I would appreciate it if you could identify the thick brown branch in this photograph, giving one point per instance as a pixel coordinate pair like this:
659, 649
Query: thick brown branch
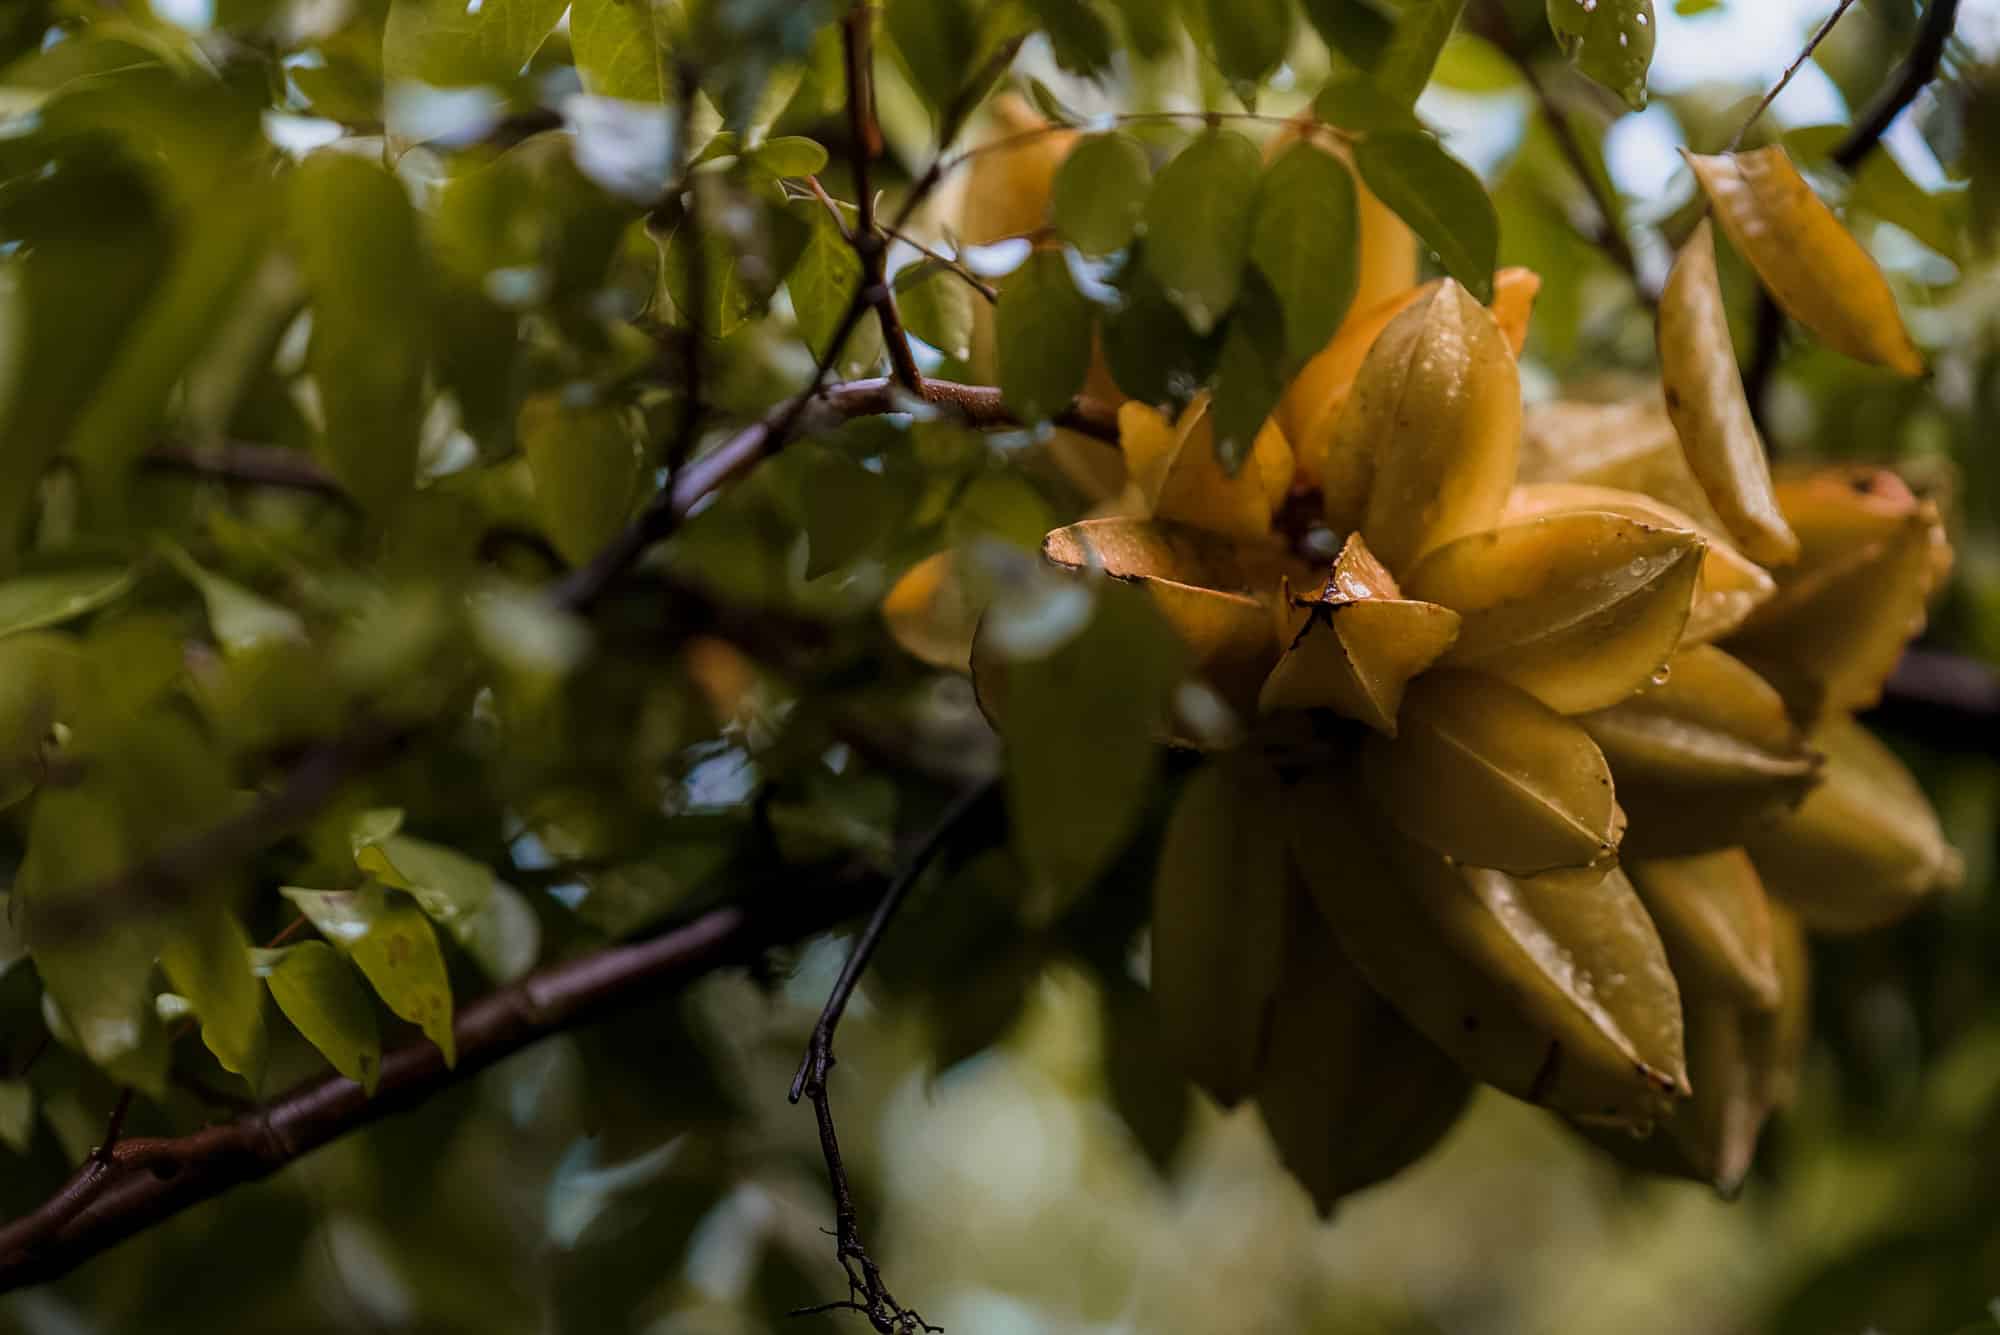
148, 1180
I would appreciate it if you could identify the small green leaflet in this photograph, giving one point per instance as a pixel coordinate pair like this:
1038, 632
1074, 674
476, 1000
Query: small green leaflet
1250, 38
1099, 193
207, 959
1198, 223
29, 602
17, 1115
789, 155
1610, 40
488, 919
1360, 30
938, 306
393, 945
1249, 374
1357, 104
823, 283
1440, 198
241, 621
1421, 32
1043, 330
319, 993
1306, 242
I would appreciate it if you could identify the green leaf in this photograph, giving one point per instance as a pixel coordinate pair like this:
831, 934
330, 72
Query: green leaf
823, 283
1198, 224
392, 943
1153, 354
1042, 330
1249, 374
12, 952
17, 1115
491, 921
741, 269
938, 306
1100, 192
362, 260
448, 43
584, 459
84, 244
789, 155
1149, 26
318, 992
1360, 30
938, 41
1250, 38
241, 622
206, 958
1421, 31
100, 982
1358, 104
29, 602
1078, 34
620, 48
1610, 40
1306, 241
1440, 198
1080, 726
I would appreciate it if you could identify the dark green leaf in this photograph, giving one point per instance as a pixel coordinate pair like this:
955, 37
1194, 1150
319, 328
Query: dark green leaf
1149, 26
1306, 242
447, 43
939, 306
1078, 33
1440, 198
362, 259
319, 993
1610, 40
1080, 725
1153, 354
1360, 30
1100, 192
1198, 223
29, 602
1053, 108
1043, 329
1421, 31
1356, 103
938, 41
1249, 373
1250, 37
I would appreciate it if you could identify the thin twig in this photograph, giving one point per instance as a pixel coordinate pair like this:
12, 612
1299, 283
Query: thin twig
243, 464
868, 1294
858, 47
688, 430
1812, 45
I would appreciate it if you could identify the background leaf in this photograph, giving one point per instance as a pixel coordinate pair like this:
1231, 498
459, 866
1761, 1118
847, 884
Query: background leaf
1198, 223
1043, 328
1440, 198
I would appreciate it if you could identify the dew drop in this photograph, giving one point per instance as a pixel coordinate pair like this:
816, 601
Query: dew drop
1660, 677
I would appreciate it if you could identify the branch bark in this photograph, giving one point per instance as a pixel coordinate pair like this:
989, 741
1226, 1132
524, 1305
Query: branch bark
140, 1182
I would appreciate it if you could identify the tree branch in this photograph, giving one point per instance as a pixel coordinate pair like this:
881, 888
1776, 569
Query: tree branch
979, 405
248, 465
142, 1182
867, 1293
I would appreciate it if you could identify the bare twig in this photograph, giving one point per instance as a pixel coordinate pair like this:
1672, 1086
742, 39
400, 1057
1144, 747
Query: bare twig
1785, 79
858, 47
144, 1181
1918, 69
688, 430
867, 1293
243, 464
